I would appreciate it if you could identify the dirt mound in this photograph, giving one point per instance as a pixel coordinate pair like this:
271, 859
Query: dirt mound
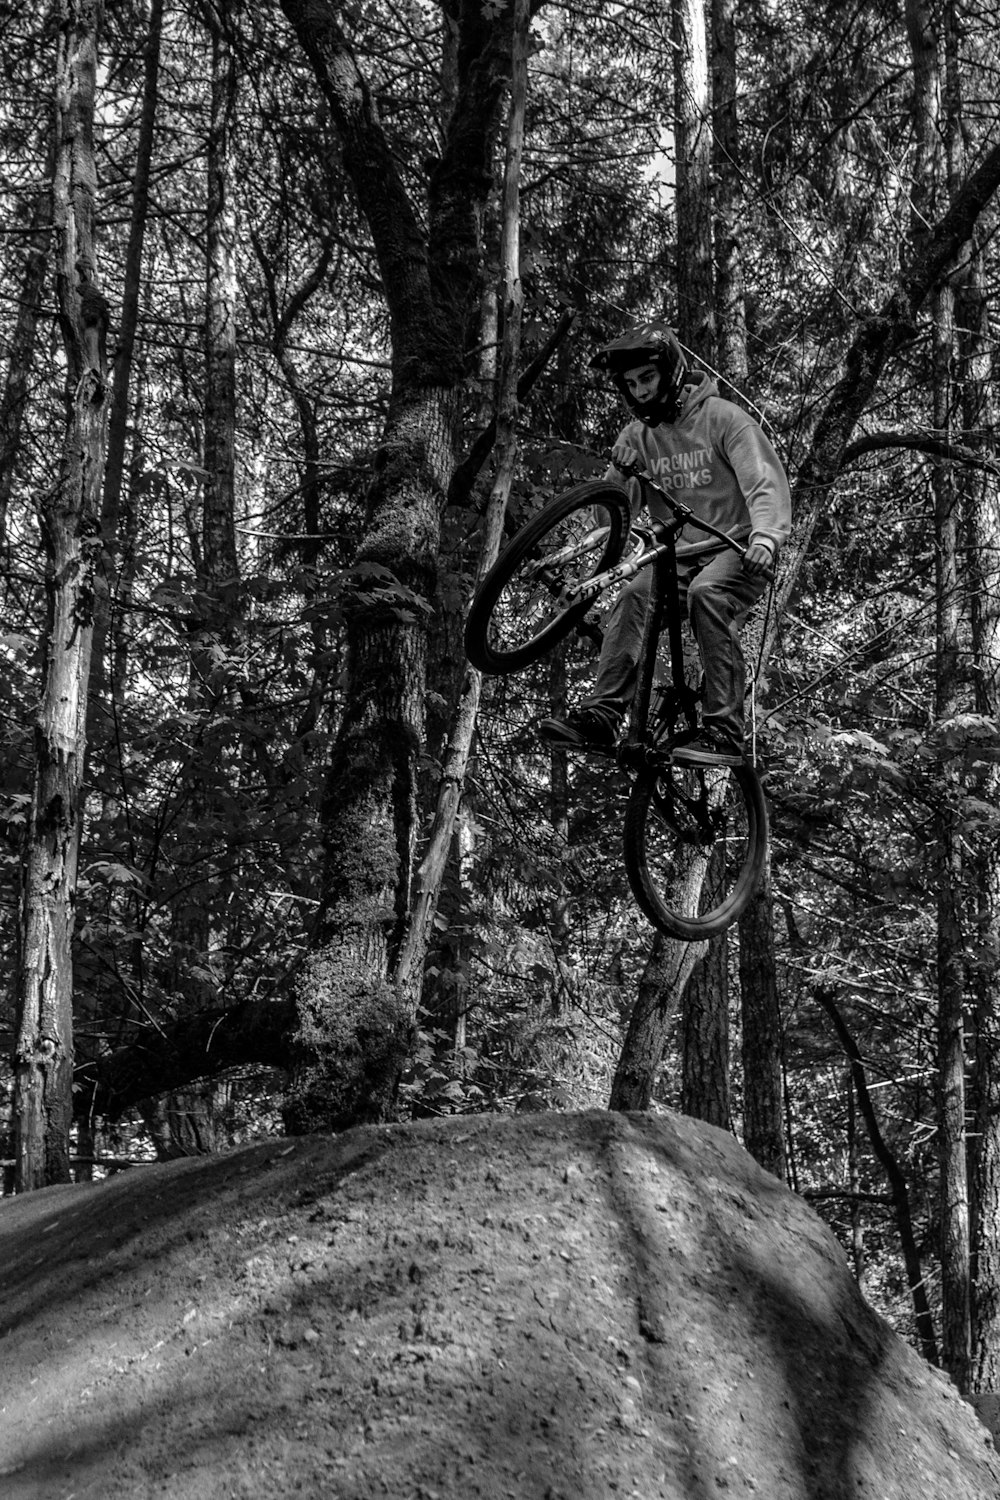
540, 1307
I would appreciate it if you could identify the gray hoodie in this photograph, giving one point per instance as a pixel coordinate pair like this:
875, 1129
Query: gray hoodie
717, 461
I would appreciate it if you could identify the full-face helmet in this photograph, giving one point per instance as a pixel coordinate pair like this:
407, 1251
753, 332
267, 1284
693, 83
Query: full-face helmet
647, 343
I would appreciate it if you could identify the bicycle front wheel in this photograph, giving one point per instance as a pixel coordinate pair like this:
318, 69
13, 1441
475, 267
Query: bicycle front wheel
695, 841
522, 608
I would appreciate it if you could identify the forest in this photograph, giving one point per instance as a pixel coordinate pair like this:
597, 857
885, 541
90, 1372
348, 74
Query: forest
299, 303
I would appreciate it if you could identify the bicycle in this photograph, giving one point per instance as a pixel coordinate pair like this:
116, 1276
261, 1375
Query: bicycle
695, 837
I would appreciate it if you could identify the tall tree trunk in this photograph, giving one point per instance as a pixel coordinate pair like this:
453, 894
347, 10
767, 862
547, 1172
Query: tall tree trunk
119, 518
696, 325
948, 878
727, 198
430, 263
948, 835
925, 174
69, 521
220, 566
128, 526
664, 977
982, 530
215, 623
121, 394
410, 965
705, 1093
763, 1114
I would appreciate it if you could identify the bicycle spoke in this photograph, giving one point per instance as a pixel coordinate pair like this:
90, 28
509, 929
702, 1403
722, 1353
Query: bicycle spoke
540, 590
526, 604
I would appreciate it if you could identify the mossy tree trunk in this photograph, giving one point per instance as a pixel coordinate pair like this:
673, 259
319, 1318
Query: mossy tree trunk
430, 261
422, 908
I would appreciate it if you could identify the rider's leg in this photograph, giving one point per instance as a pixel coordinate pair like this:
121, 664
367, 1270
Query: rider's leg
615, 679
719, 596
595, 724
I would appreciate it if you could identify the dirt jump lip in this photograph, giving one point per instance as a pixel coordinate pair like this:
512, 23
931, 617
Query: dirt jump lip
543, 1305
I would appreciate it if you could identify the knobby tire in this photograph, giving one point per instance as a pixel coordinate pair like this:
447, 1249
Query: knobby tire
516, 616
669, 856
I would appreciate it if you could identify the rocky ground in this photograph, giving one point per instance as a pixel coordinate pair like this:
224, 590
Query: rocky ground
545, 1307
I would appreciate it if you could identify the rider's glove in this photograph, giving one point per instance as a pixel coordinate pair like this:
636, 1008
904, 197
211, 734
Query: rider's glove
758, 559
625, 457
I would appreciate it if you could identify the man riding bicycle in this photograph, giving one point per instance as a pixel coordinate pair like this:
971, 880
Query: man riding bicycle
718, 462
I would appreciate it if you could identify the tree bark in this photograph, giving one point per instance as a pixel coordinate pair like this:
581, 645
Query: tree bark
982, 528
121, 395
761, 1033
69, 521
220, 565
763, 1113
696, 324
705, 1092
948, 880
432, 282
949, 842
410, 965
925, 180
664, 977
215, 625
727, 198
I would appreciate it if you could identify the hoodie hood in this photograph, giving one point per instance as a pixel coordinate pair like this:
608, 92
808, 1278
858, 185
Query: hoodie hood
696, 390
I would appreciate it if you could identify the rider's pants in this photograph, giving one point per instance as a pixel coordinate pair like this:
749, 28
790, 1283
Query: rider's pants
718, 596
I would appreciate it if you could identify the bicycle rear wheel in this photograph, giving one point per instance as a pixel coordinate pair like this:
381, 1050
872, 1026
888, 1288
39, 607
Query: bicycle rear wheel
695, 841
520, 610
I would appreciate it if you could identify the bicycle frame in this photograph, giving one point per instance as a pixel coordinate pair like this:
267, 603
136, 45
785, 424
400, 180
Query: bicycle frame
663, 607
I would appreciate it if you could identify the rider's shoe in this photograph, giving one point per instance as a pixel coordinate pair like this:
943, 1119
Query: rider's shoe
582, 729
709, 748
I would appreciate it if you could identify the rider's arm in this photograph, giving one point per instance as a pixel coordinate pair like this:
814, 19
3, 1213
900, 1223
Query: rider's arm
762, 479
626, 454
